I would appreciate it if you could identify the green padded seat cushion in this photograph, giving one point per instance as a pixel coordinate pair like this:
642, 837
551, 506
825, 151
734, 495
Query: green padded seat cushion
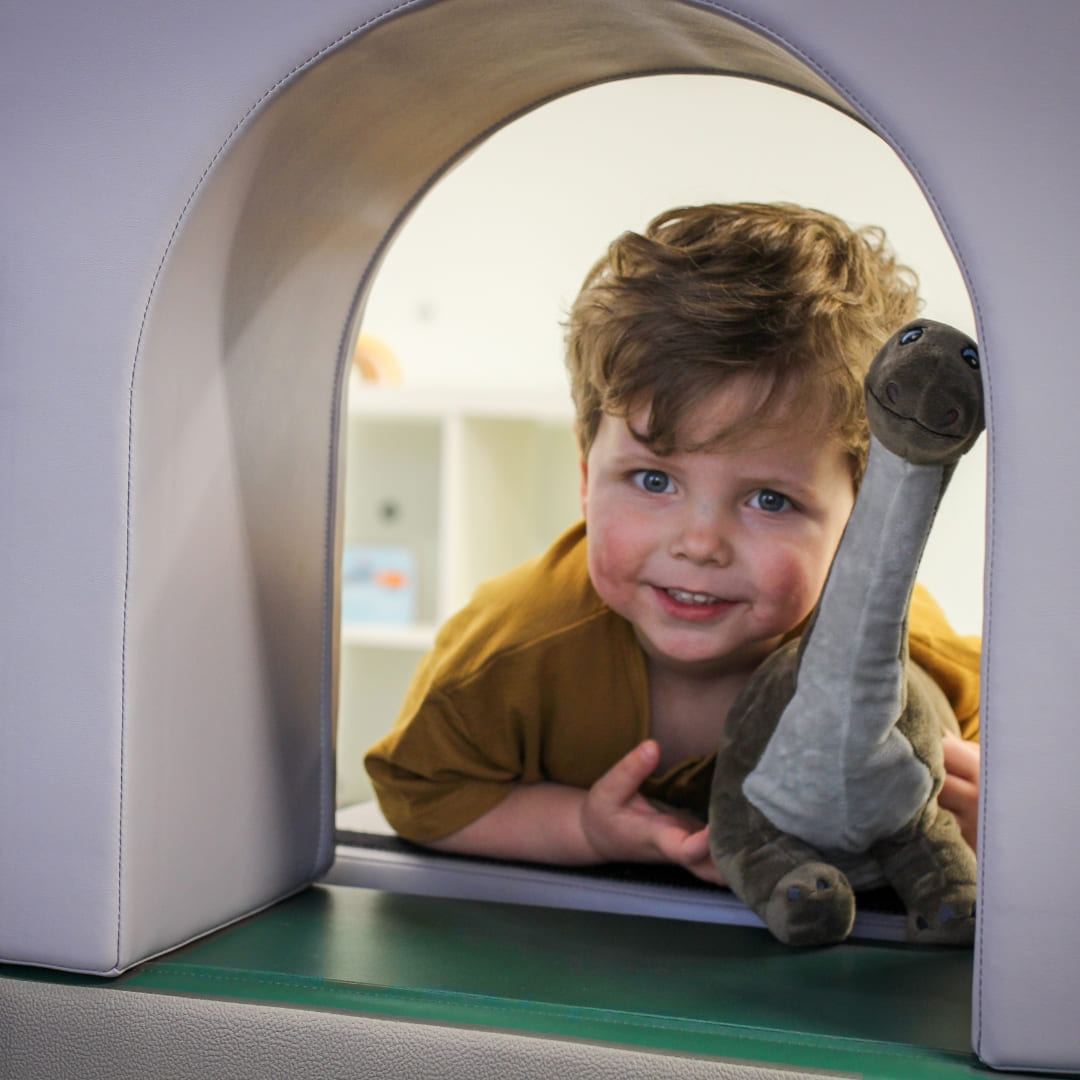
880, 1009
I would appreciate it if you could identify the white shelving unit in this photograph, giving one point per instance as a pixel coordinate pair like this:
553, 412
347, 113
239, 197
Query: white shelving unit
473, 484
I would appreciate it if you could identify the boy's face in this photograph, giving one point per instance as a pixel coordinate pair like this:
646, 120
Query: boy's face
714, 555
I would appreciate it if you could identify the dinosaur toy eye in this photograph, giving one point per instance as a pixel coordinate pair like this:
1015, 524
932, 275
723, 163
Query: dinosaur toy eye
971, 356
911, 335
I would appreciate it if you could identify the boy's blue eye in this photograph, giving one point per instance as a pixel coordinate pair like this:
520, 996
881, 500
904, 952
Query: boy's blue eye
771, 501
911, 335
654, 481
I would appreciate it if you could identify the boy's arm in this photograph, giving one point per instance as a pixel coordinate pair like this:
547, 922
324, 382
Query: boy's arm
609, 822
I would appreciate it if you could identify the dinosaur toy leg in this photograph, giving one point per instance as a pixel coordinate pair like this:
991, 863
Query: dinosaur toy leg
927, 862
933, 871
802, 899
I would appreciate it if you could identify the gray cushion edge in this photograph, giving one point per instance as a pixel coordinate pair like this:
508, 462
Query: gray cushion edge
51, 1030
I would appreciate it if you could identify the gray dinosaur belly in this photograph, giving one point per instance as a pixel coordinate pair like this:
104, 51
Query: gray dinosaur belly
843, 805
817, 793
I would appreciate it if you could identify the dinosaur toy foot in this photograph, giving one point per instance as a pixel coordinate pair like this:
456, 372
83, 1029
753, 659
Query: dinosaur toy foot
811, 905
949, 923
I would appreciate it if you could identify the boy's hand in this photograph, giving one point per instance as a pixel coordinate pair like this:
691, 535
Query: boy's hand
621, 825
960, 793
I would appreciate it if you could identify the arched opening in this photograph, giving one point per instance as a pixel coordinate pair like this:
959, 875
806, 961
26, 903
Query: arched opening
471, 296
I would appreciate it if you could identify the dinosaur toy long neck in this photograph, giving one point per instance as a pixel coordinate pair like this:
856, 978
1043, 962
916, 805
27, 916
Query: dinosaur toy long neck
836, 771
858, 637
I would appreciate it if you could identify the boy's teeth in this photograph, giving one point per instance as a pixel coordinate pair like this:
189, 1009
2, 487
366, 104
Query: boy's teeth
692, 597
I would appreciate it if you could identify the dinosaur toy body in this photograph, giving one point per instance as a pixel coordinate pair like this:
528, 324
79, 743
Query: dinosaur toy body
830, 761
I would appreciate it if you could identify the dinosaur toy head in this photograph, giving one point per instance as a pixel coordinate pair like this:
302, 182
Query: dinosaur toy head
924, 393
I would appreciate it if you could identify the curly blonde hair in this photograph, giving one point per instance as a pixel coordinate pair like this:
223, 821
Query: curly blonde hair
793, 297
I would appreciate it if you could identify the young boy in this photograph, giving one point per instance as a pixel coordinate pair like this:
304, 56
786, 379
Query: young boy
568, 714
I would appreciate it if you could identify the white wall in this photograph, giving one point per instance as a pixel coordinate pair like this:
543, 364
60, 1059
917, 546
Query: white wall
475, 288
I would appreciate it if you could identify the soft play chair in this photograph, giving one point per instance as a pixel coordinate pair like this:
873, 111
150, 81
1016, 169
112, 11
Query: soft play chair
193, 200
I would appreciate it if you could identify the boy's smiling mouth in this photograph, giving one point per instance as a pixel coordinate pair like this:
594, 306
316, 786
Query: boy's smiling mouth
696, 598
691, 605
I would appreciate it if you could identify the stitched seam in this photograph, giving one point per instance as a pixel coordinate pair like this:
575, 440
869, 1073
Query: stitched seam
291, 74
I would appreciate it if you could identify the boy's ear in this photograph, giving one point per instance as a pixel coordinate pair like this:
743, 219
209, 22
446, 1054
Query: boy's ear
583, 459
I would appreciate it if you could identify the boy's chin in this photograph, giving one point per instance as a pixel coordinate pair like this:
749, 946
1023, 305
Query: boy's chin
705, 659
695, 660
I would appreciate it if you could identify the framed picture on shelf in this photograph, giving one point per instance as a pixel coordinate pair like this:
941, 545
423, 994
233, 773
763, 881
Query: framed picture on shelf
378, 584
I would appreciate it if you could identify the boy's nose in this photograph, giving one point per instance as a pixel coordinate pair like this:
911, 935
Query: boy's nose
702, 536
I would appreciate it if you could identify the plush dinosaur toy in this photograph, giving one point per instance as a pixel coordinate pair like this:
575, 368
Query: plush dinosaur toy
830, 763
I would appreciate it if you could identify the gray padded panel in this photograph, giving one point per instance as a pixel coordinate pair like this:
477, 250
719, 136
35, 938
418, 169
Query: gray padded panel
164, 759
98, 1034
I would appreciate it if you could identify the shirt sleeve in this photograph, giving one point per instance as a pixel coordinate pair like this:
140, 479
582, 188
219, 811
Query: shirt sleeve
435, 772
952, 660
562, 707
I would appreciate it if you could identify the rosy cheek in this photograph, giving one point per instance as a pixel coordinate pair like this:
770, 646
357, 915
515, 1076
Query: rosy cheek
793, 586
612, 561
813, 581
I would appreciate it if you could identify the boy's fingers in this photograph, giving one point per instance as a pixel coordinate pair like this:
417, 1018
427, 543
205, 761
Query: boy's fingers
961, 797
692, 852
621, 782
962, 758
696, 845
958, 794
670, 839
679, 844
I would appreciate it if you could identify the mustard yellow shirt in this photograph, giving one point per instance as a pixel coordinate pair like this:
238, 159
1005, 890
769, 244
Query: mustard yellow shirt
537, 679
